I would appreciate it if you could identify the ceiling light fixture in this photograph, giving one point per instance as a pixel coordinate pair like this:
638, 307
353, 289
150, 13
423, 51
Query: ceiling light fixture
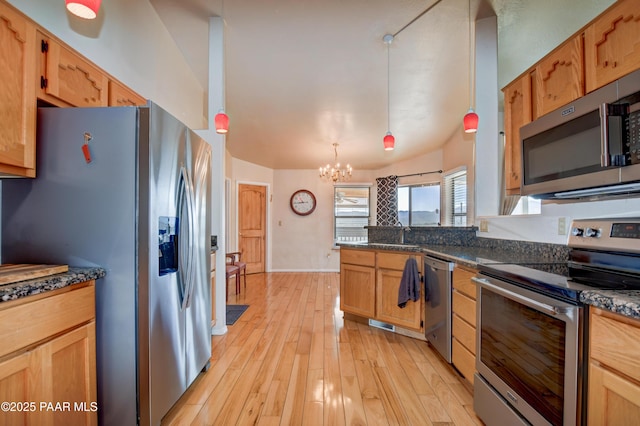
221, 122
335, 173
471, 118
87, 9
389, 141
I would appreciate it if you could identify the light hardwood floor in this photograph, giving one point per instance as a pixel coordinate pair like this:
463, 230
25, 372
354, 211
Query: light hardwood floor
291, 359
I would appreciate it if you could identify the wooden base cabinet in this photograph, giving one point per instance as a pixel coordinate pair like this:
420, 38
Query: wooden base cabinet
463, 330
48, 367
357, 282
614, 376
369, 284
389, 268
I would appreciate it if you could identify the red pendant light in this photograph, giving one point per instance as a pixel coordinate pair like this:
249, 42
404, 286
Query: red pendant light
389, 142
470, 121
222, 122
87, 9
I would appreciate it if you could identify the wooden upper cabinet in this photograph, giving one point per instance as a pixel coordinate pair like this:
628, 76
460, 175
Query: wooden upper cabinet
66, 78
517, 113
120, 95
17, 93
612, 44
559, 77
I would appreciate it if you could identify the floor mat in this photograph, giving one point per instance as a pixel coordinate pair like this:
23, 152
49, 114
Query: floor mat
234, 312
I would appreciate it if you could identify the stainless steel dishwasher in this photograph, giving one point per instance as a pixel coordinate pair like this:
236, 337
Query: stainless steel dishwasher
437, 304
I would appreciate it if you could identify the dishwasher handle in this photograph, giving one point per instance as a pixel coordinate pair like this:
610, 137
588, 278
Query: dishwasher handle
438, 265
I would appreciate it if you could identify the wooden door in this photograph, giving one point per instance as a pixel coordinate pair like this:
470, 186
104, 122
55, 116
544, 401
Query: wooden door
358, 290
559, 77
68, 77
612, 44
69, 375
252, 219
17, 93
517, 112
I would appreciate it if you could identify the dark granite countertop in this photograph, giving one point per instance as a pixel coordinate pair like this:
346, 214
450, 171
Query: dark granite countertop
75, 275
624, 302
469, 256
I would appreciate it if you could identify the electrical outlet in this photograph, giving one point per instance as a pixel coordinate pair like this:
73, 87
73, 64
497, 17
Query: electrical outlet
484, 225
562, 226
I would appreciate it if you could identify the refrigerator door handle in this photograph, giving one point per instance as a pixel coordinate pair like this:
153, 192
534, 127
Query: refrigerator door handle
193, 259
186, 252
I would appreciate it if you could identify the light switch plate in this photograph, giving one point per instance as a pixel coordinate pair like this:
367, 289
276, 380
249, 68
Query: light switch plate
484, 225
562, 226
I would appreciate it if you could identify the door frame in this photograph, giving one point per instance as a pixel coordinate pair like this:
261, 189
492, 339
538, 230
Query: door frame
268, 196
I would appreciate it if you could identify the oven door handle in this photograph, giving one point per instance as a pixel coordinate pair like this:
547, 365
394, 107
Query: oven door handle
543, 307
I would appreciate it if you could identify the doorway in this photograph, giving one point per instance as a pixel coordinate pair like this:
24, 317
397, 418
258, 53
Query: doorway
252, 220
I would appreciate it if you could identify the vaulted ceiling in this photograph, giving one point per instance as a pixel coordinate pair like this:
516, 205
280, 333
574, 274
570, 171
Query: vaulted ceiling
301, 75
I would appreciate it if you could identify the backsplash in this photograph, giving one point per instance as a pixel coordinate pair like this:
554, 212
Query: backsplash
462, 236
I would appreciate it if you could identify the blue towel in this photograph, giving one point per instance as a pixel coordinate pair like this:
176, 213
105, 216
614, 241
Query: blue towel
409, 283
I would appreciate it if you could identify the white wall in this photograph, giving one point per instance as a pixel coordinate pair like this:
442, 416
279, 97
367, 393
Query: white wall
305, 243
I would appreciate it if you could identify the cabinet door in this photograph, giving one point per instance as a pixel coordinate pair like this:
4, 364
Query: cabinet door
613, 400
612, 44
387, 310
20, 384
17, 93
517, 112
463, 306
559, 77
69, 369
66, 78
119, 95
357, 290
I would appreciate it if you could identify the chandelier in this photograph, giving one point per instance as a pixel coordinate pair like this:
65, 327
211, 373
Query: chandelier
335, 173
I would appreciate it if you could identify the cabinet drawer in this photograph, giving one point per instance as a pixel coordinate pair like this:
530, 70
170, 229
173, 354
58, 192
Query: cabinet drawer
358, 257
462, 282
44, 318
464, 307
464, 333
395, 260
615, 341
463, 360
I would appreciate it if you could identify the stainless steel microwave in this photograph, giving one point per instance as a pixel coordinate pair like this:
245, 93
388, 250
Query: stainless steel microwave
588, 148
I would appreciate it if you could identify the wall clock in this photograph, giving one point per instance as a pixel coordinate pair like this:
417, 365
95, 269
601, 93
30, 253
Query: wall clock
303, 202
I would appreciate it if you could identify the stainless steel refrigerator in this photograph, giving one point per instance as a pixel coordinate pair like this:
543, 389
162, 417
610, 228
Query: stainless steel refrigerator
141, 209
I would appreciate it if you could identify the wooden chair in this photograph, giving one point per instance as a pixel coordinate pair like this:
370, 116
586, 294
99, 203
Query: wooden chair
232, 270
235, 259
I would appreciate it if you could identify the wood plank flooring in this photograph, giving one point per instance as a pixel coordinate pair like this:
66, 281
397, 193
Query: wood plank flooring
291, 359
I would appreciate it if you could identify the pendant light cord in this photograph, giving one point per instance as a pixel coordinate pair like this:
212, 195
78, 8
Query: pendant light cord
389, 86
471, 62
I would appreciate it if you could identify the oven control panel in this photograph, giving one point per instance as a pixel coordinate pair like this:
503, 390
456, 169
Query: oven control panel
617, 234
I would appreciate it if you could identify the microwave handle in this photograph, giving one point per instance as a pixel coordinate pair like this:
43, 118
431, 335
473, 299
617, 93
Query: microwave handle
605, 158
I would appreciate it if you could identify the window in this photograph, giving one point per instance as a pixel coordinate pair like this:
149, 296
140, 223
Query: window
455, 198
527, 205
351, 213
419, 205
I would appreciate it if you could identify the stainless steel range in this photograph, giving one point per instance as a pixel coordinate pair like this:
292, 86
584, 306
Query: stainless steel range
531, 355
